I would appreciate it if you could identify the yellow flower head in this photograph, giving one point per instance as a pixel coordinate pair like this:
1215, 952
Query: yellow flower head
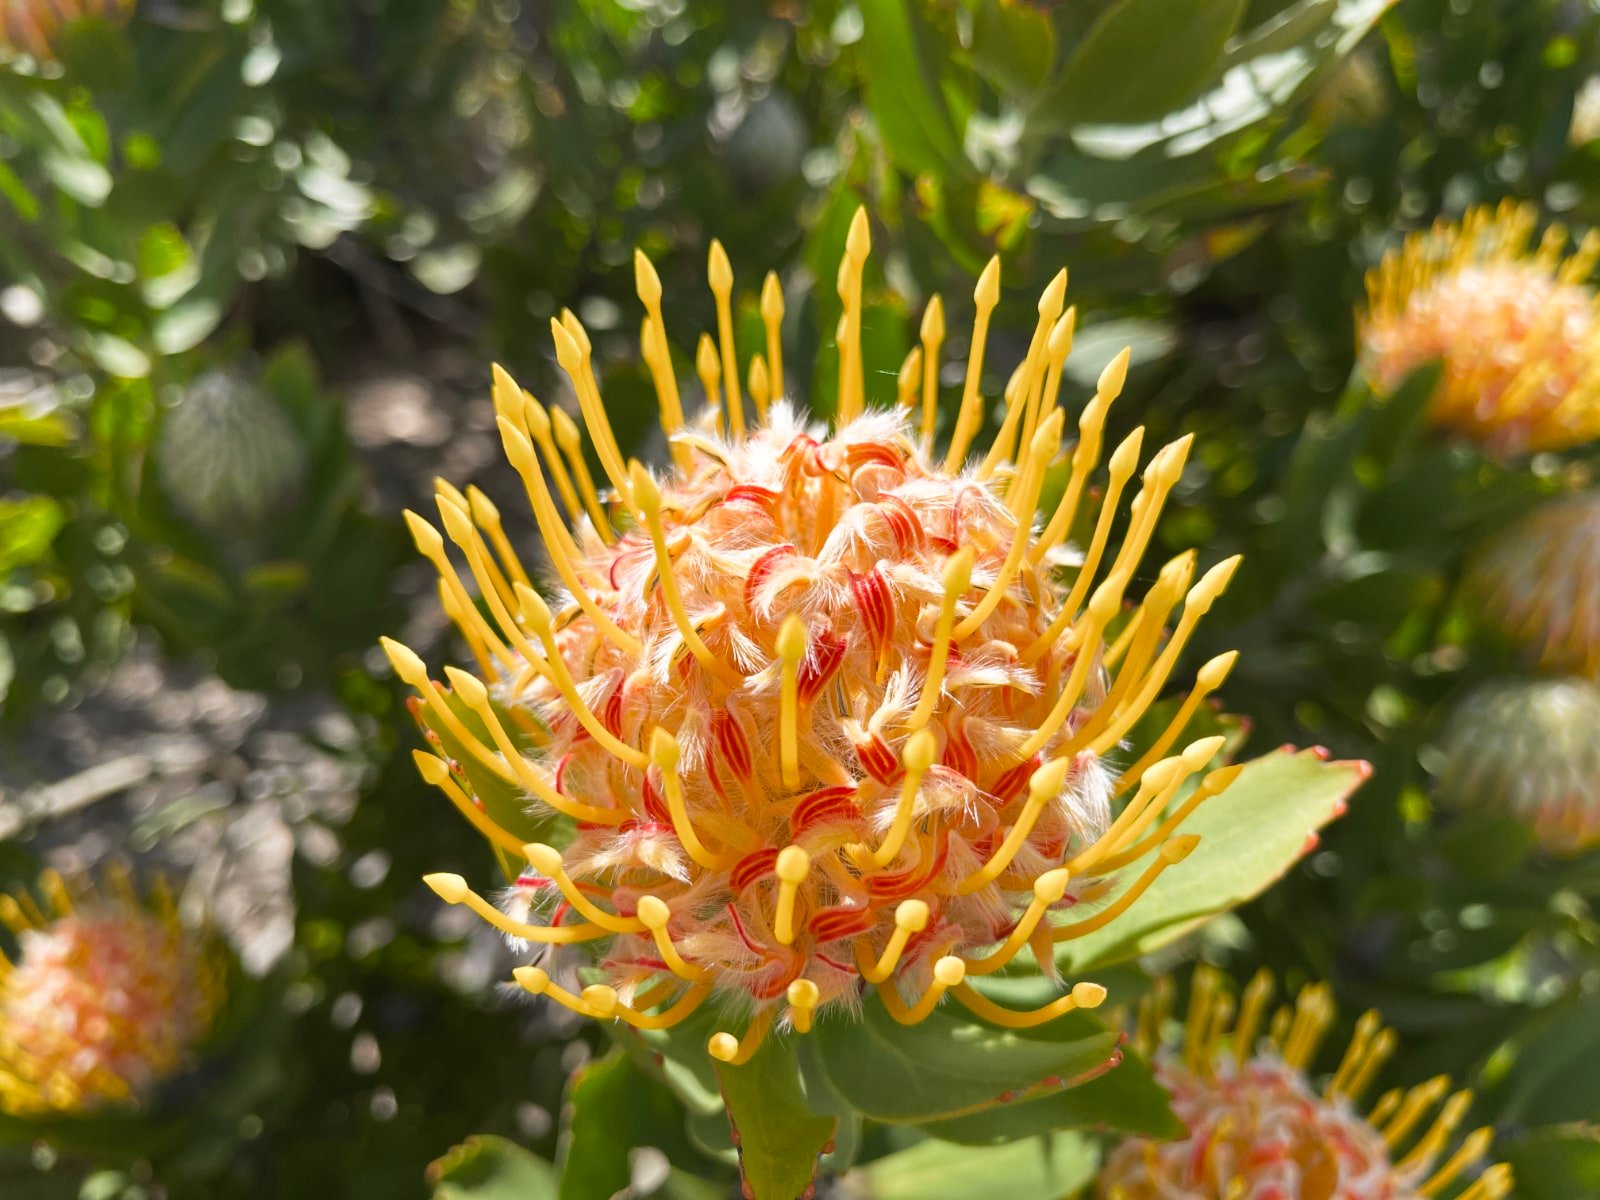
32, 26
822, 708
1517, 331
1535, 582
1257, 1128
107, 995
1526, 748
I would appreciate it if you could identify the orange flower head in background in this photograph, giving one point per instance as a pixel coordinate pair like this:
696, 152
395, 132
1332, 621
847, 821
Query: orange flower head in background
1538, 583
1516, 330
817, 709
1258, 1129
32, 26
105, 996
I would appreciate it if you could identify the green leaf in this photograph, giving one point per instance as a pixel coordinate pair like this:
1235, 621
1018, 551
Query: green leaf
491, 1168
1141, 60
779, 1138
1038, 1169
948, 1065
28, 527
904, 94
1249, 836
1561, 1163
1013, 45
613, 1107
1553, 1079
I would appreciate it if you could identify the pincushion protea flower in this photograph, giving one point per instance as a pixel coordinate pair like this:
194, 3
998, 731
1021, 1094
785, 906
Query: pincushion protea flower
1258, 1129
1517, 332
1527, 748
822, 709
106, 996
1536, 582
31, 26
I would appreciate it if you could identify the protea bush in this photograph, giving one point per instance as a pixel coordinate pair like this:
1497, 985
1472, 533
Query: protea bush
1257, 1127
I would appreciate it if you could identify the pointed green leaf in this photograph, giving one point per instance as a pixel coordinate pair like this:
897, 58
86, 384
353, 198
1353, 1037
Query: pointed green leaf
1249, 836
904, 93
613, 1107
779, 1138
948, 1065
1560, 1163
491, 1168
1013, 45
1141, 60
1038, 1169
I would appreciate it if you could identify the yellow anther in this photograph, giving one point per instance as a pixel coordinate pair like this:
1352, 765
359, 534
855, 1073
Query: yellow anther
719, 273
546, 859
538, 615
664, 753
803, 997
916, 757
1082, 995
655, 915
932, 337
1174, 851
948, 972
957, 578
791, 869
648, 499
453, 889
791, 649
437, 772
1030, 479
986, 295
1044, 786
1048, 889
760, 387
710, 373
772, 317
726, 1048
910, 918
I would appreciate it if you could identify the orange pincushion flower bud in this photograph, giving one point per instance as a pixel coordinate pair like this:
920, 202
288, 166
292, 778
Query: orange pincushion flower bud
1516, 330
1258, 1129
106, 996
824, 705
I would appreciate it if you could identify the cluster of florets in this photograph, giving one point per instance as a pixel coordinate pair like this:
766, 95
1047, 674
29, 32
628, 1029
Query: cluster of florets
1516, 332
820, 710
106, 996
1256, 1127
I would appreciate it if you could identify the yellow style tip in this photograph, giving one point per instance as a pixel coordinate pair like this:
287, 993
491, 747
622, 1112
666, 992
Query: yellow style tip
802, 993
1052, 885
958, 571
470, 688
772, 297
792, 865
719, 271
987, 293
534, 608
567, 352
663, 749
1054, 297
933, 320
645, 280
427, 538
565, 430
405, 662
1197, 754
1175, 850
1115, 375
452, 889
1046, 780
858, 242
544, 858
484, 510
532, 979
949, 971
1059, 344
723, 1047
1212, 674
705, 359
601, 999
912, 915
1088, 995
653, 911
431, 767
792, 639
643, 486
